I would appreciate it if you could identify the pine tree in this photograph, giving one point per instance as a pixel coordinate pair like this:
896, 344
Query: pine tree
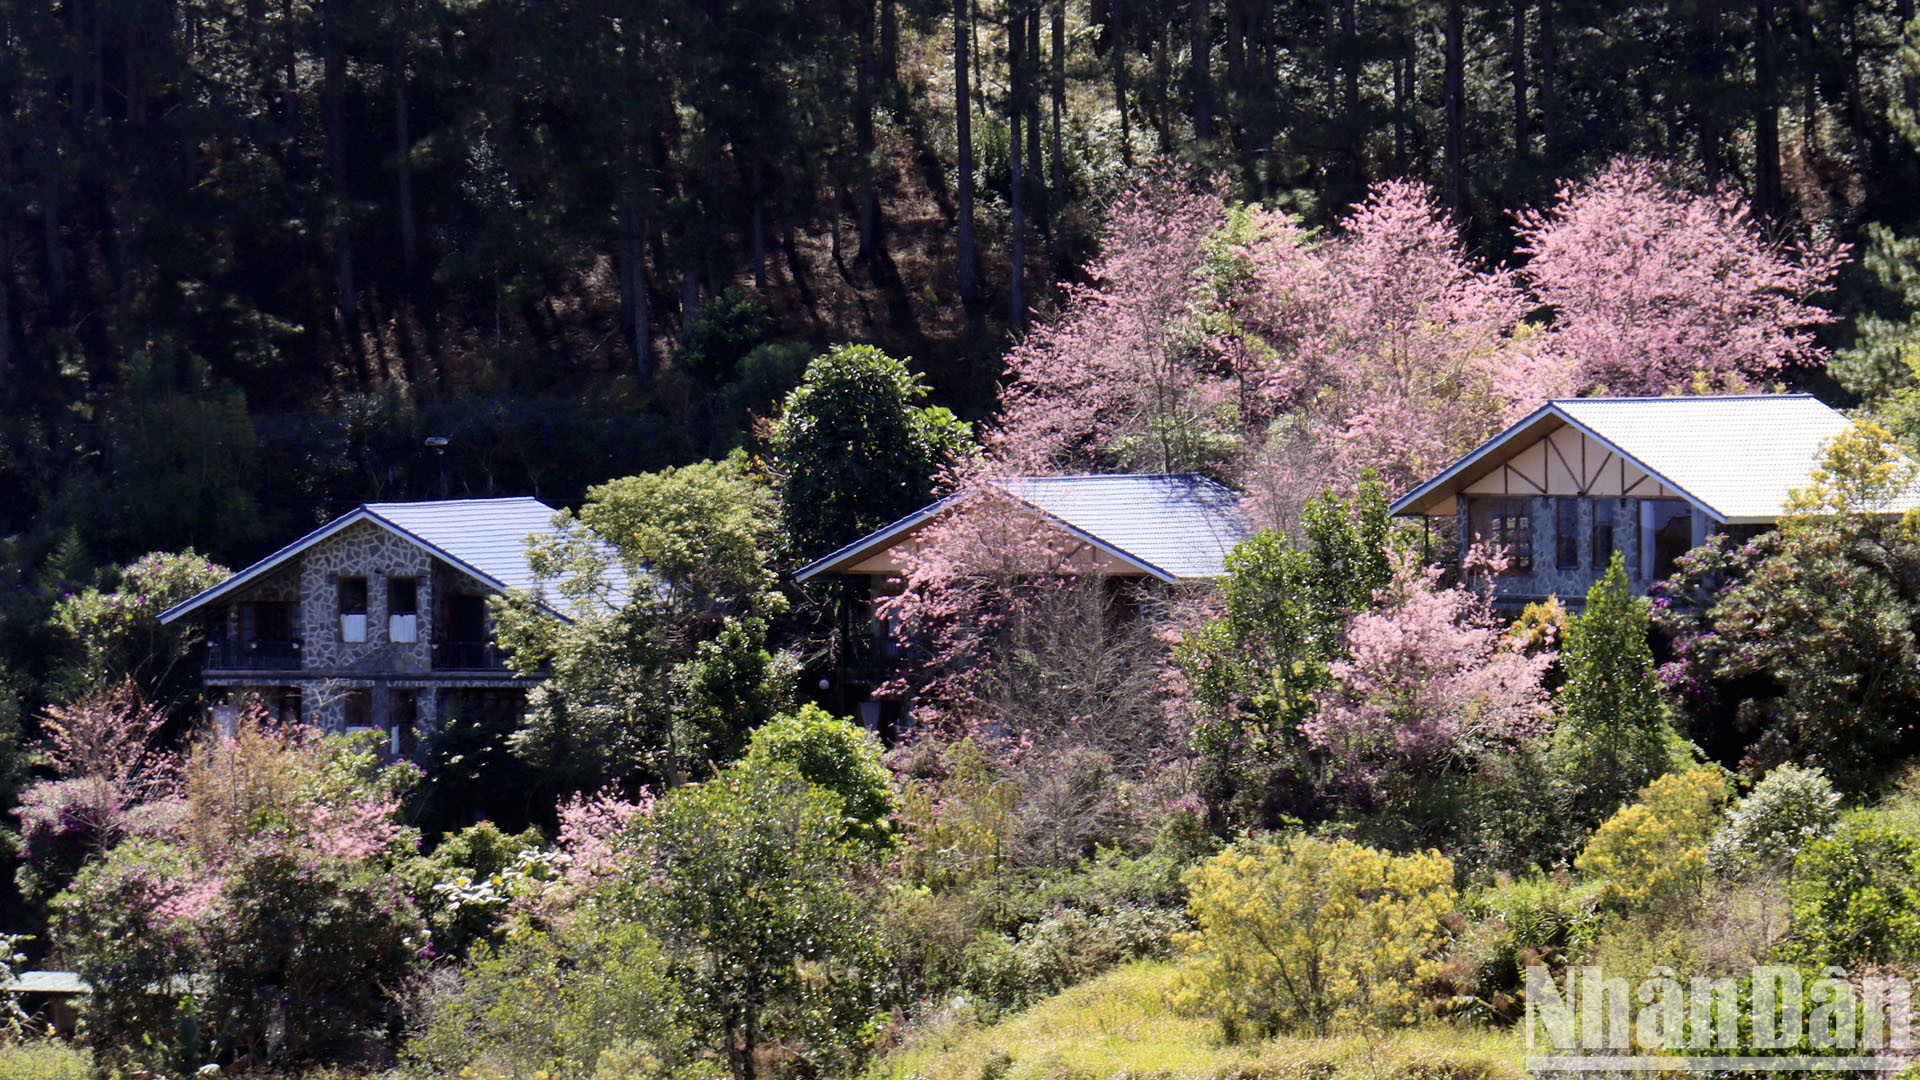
1613, 736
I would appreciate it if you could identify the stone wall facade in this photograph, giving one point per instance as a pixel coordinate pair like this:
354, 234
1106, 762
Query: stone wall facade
1547, 577
330, 668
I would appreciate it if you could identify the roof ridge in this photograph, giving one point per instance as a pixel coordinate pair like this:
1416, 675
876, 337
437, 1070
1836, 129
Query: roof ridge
1690, 398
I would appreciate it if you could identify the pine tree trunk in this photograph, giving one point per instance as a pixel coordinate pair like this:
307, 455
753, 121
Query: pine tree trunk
1454, 164
1766, 116
868, 214
1057, 181
403, 167
890, 40
1522, 138
1036, 157
1120, 79
1199, 44
1549, 84
1016, 112
1708, 95
335, 75
963, 137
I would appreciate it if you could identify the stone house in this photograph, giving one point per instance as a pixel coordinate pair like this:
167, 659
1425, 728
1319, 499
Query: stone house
377, 619
1651, 478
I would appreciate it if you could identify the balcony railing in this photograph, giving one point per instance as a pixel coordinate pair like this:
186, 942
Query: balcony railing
253, 655
467, 656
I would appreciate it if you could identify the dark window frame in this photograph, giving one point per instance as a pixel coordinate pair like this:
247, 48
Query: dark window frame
1566, 533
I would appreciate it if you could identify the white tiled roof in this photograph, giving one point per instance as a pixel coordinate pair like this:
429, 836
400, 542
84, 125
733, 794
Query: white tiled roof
1172, 527
1184, 525
488, 535
483, 537
1737, 456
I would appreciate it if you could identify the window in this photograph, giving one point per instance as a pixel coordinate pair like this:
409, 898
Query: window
403, 609
353, 609
356, 708
1603, 513
403, 718
267, 620
1668, 525
1566, 534
1507, 524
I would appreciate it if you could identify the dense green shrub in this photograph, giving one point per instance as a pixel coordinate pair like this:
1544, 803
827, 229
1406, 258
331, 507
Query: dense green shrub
833, 753
1538, 919
1788, 809
556, 1003
1856, 896
1653, 853
1309, 934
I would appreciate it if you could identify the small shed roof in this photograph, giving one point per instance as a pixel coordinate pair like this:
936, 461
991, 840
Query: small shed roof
47, 982
485, 538
1736, 457
1168, 526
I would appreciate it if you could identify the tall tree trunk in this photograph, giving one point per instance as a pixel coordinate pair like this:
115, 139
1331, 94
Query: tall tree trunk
1199, 45
403, 164
1522, 138
1016, 112
890, 40
1766, 116
1708, 96
1549, 84
1454, 164
335, 76
1400, 66
635, 289
1036, 155
868, 214
1119, 50
1057, 181
1909, 79
963, 137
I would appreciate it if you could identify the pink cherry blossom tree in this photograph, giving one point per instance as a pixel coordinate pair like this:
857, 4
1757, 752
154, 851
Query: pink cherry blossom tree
1382, 345
1432, 685
1658, 290
1116, 378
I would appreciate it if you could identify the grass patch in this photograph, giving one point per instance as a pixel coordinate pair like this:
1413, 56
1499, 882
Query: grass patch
1121, 1027
44, 1059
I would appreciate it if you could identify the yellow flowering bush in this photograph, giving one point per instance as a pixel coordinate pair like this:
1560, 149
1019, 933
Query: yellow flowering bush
1654, 851
1310, 934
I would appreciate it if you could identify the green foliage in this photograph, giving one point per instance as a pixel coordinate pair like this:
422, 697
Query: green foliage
1537, 919
1652, 854
1806, 642
45, 1059
560, 1003
1856, 896
1881, 363
1310, 934
853, 448
1258, 671
476, 855
1613, 737
748, 882
664, 665
117, 631
834, 753
1788, 809
722, 331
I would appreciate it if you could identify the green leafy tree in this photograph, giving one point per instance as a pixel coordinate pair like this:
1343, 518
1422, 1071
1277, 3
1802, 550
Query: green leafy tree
748, 881
662, 664
834, 753
1613, 735
1856, 896
116, 630
588, 997
1257, 672
1304, 934
1804, 644
853, 448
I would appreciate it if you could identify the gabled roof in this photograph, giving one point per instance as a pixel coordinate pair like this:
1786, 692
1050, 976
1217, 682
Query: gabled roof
1736, 457
484, 538
1167, 527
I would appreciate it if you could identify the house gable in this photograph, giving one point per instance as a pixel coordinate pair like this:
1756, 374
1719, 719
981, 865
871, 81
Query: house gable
1568, 461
